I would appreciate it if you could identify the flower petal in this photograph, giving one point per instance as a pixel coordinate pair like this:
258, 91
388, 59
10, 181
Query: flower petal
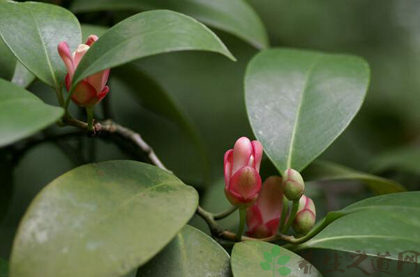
98, 80
258, 152
270, 199
91, 40
242, 151
253, 217
80, 52
84, 95
228, 166
246, 182
64, 52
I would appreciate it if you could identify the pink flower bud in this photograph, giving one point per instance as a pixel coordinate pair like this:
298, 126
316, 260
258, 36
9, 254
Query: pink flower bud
242, 178
90, 90
305, 217
264, 216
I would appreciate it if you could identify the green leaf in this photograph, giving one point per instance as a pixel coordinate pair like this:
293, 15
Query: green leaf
22, 77
247, 257
4, 268
386, 223
191, 253
299, 102
275, 251
283, 260
117, 215
41, 27
7, 61
327, 171
284, 271
406, 159
147, 34
234, 16
265, 266
22, 114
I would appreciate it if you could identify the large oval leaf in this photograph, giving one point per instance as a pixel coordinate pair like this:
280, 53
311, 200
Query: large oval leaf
41, 27
234, 16
101, 220
328, 171
299, 102
387, 223
22, 114
257, 258
147, 34
192, 253
7, 61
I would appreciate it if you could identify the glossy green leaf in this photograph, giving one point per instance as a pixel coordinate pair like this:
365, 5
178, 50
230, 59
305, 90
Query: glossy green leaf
41, 27
22, 114
7, 61
4, 268
248, 261
192, 253
387, 223
327, 171
106, 218
405, 159
299, 102
22, 77
234, 16
148, 34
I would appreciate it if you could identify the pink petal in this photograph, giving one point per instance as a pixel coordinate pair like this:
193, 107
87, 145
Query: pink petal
103, 93
98, 80
64, 52
246, 182
272, 226
253, 217
270, 199
67, 81
241, 153
234, 198
228, 166
258, 152
91, 40
80, 52
84, 95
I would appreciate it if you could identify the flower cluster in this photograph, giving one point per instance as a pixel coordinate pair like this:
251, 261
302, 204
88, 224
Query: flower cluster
264, 203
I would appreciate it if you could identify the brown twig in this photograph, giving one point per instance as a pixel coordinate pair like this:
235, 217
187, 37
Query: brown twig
217, 231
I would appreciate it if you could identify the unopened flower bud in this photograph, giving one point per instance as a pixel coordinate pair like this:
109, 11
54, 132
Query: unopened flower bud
241, 166
293, 184
305, 217
90, 90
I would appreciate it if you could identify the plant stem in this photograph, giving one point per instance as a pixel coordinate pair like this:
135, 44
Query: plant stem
285, 209
60, 97
90, 118
224, 214
292, 216
242, 217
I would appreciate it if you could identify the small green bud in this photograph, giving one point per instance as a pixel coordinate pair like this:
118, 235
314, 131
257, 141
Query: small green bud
293, 184
305, 218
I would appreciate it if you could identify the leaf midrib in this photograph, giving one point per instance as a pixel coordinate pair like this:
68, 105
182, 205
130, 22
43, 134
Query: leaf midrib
44, 48
295, 126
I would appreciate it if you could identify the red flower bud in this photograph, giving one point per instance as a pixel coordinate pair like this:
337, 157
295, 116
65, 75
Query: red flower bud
90, 90
264, 216
241, 166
